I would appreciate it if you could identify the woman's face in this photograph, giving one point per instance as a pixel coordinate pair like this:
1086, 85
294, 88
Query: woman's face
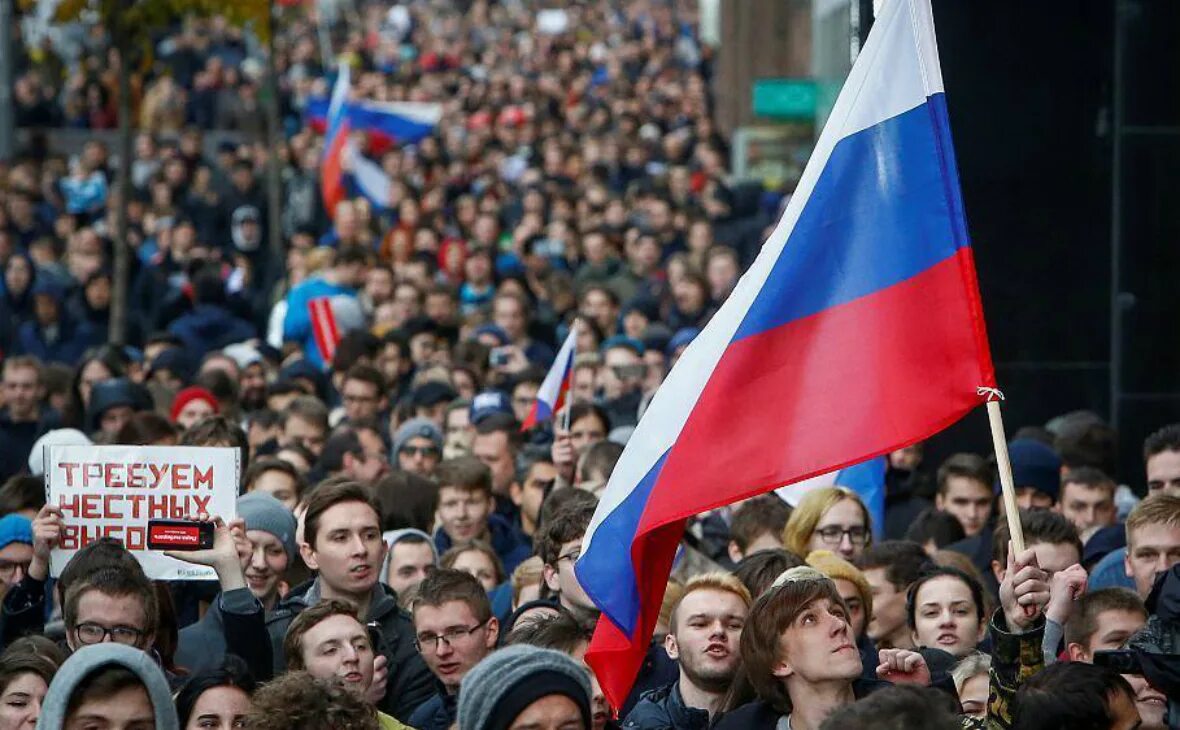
945, 616
219, 708
93, 373
479, 565
195, 410
842, 530
18, 275
20, 703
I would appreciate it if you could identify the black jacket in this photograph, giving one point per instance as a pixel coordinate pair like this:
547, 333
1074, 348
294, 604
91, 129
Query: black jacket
437, 713
664, 708
18, 440
410, 681
760, 715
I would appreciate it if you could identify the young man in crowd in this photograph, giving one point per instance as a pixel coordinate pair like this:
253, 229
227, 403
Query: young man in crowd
115, 603
497, 442
418, 446
560, 547
454, 630
22, 419
529, 491
329, 642
1103, 621
1052, 536
705, 629
757, 525
412, 556
346, 455
305, 422
1161, 456
342, 542
1087, 500
890, 567
965, 491
1153, 540
363, 394
465, 512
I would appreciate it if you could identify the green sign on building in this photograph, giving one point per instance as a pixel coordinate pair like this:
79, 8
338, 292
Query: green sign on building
785, 98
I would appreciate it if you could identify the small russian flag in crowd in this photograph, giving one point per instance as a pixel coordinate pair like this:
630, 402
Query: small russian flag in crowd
335, 142
858, 330
387, 122
554, 390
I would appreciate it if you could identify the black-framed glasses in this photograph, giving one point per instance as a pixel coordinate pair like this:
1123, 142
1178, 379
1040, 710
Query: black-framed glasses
450, 636
92, 633
833, 534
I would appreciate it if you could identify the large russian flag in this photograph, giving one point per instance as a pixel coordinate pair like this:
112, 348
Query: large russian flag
335, 142
556, 385
857, 330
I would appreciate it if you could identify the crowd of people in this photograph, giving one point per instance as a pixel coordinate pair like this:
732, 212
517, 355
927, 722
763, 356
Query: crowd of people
402, 552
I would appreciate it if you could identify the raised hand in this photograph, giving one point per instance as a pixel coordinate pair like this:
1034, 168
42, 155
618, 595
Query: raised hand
1065, 587
1024, 591
902, 666
376, 691
48, 526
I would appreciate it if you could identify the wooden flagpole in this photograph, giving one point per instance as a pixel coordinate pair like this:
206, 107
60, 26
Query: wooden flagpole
1004, 466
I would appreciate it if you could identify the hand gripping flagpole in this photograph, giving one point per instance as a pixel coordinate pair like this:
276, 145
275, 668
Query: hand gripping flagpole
1007, 487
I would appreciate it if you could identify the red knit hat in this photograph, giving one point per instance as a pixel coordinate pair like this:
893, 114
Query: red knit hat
192, 393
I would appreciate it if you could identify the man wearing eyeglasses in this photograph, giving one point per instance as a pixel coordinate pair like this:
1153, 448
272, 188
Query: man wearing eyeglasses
112, 604
454, 629
16, 550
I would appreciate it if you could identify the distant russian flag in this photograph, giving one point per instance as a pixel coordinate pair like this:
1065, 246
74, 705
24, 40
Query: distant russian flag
387, 123
857, 330
555, 387
335, 142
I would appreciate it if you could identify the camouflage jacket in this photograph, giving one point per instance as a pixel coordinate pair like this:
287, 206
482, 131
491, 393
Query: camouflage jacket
1015, 658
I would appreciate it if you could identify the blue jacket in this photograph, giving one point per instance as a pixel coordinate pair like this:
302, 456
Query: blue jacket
662, 709
511, 546
210, 327
297, 323
66, 346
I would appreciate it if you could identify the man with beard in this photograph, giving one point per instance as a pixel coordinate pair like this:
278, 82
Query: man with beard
704, 631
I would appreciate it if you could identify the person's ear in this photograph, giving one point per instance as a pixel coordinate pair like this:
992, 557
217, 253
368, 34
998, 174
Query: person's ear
939, 503
307, 552
982, 630
1127, 563
493, 632
735, 553
671, 646
72, 639
782, 670
998, 571
551, 578
515, 493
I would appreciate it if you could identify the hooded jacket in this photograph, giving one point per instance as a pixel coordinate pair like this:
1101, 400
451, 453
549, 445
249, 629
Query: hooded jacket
393, 537
89, 658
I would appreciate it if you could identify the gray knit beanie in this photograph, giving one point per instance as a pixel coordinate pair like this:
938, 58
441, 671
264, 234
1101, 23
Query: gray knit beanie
423, 427
263, 512
507, 681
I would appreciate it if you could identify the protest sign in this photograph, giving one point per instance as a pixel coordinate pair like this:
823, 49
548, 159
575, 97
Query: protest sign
112, 491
